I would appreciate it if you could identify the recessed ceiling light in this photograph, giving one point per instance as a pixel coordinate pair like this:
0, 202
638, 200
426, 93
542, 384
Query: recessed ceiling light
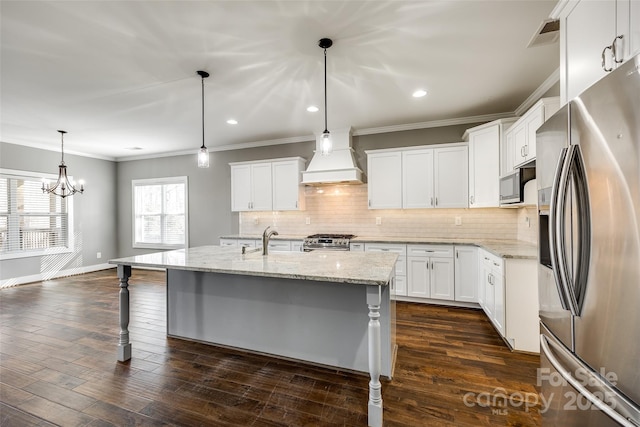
312, 109
232, 121
133, 148
419, 93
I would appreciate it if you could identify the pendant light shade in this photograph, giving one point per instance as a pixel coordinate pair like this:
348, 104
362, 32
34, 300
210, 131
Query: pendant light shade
63, 187
326, 146
203, 154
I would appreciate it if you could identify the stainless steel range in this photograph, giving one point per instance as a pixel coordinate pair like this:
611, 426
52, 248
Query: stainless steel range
333, 242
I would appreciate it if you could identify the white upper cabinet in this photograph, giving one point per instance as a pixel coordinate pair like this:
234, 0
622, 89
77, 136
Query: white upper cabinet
267, 185
451, 177
523, 132
288, 192
595, 37
484, 162
250, 185
418, 177
384, 173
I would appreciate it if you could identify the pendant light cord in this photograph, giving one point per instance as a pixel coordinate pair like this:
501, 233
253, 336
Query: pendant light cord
62, 146
325, 90
202, 81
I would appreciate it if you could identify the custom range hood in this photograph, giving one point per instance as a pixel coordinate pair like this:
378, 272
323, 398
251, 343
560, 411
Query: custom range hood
339, 167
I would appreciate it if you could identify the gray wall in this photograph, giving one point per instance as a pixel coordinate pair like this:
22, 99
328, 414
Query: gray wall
95, 210
104, 211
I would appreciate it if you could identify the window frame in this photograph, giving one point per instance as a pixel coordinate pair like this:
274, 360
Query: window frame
160, 181
39, 176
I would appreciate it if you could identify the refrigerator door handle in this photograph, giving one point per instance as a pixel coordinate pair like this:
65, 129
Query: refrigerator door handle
579, 386
583, 217
553, 213
561, 232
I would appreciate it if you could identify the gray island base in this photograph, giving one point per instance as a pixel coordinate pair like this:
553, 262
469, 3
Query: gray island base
334, 309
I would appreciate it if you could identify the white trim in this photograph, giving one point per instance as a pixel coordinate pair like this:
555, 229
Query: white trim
537, 94
49, 275
153, 181
49, 147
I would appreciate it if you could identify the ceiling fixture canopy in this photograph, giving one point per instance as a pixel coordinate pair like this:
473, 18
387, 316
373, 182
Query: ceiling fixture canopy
63, 187
203, 154
326, 147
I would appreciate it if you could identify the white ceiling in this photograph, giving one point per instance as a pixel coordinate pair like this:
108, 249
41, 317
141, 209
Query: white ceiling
122, 74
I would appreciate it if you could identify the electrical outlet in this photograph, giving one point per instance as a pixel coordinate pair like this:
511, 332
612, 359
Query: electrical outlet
527, 220
378, 220
99, 255
458, 220
256, 220
307, 220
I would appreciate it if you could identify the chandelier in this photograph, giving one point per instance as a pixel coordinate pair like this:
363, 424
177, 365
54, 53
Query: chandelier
63, 187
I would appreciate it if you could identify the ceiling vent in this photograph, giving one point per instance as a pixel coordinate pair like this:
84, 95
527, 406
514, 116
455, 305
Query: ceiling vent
547, 33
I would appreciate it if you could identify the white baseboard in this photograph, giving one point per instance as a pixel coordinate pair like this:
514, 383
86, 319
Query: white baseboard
48, 275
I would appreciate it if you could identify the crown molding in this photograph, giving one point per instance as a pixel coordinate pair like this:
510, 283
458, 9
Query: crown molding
537, 94
57, 149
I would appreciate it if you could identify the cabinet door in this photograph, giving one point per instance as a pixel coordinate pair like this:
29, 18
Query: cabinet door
520, 143
484, 168
261, 187
633, 45
534, 121
451, 177
240, 188
489, 293
385, 180
499, 302
417, 179
418, 277
466, 274
588, 28
507, 154
401, 285
286, 185
441, 278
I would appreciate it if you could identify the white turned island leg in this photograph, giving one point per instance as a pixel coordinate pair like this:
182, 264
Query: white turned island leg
124, 346
374, 299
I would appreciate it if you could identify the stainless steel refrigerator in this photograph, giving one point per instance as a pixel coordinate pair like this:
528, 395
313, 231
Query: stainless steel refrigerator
588, 175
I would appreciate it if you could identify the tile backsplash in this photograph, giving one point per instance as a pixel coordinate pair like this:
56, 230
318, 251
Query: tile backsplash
344, 209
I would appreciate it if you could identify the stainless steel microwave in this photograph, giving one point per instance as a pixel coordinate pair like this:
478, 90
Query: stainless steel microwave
512, 185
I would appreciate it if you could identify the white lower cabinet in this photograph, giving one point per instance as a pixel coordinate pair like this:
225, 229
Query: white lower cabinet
275, 245
430, 271
401, 263
279, 246
508, 293
466, 273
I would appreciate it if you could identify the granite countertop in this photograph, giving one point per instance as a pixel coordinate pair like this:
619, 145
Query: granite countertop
342, 267
500, 247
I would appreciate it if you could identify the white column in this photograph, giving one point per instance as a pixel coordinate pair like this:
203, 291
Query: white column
374, 299
124, 346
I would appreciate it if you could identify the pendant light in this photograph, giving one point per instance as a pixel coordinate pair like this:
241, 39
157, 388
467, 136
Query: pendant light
63, 187
326, 145
203, 154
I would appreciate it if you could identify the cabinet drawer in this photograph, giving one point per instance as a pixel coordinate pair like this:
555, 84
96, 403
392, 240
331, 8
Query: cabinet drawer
492, 261
249, 243
280, 245
359, 247
400, 249
440, 251
228, 242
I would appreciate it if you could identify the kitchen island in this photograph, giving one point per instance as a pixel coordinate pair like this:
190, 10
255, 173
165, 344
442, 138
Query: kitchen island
334, 309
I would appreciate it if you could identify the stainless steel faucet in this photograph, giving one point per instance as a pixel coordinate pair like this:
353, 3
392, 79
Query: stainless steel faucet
266, 235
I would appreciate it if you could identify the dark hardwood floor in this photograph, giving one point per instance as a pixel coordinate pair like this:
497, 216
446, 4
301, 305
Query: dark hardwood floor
57, 367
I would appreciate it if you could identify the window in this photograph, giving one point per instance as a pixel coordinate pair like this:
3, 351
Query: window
160, 213
32, 223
